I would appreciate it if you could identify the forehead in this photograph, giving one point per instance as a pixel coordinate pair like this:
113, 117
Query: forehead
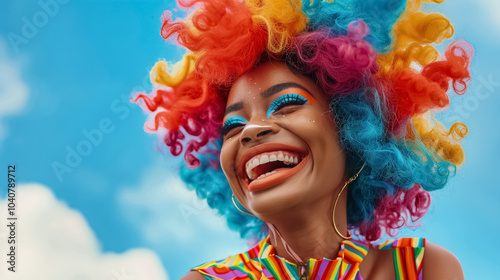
250, 85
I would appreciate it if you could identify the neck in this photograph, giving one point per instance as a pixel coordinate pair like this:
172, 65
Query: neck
309, 231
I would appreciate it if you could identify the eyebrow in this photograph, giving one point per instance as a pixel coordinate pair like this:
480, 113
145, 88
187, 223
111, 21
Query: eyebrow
266, 93
234, 107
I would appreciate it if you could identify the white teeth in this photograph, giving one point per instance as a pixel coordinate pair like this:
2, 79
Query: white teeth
264, 159
267, 174
281, 157
269, 157
249, 172
255, 162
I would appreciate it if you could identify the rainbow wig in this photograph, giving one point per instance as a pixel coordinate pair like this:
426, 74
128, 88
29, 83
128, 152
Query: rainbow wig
375, 60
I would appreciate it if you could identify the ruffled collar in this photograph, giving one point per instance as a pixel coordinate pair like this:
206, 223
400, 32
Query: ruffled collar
345, 266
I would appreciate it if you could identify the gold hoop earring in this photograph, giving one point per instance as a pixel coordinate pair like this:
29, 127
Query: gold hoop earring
337, 200
234, 202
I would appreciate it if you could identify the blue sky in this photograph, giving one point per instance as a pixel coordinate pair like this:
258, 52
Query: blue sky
67, 71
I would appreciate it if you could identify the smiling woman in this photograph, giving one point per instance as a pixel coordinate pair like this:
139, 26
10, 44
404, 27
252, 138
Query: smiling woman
288, 132
309, 123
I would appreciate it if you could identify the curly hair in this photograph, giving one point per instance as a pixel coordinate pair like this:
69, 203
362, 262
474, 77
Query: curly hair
374, 60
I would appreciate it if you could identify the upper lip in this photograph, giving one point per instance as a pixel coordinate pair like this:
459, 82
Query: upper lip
263, 148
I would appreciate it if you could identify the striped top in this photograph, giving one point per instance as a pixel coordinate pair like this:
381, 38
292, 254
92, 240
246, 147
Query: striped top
261, 262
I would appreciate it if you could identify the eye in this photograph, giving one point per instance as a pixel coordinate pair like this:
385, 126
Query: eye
286, 100
233, 122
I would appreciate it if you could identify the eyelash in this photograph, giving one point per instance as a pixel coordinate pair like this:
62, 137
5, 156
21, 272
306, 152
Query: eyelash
233, 122
286, 100
278, 103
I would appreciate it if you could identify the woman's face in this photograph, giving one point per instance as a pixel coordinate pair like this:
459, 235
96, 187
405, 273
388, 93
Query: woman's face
281, 149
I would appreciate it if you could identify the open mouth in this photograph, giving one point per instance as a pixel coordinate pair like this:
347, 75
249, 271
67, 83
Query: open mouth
265, 164
270, 164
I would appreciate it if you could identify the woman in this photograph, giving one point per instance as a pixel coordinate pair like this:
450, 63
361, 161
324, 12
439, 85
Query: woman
308, 120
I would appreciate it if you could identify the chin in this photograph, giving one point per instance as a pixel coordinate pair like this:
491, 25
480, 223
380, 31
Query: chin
295, 192
278, 200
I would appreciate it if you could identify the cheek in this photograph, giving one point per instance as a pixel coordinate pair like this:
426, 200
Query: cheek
227, 159
334, 158
316, 127
322, 136
331, 141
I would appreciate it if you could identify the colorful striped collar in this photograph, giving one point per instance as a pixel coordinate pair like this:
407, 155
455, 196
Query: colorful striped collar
261, 263
345, 266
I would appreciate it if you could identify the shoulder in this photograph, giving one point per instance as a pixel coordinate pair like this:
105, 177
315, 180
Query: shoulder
413, 258
439, 263
193, 275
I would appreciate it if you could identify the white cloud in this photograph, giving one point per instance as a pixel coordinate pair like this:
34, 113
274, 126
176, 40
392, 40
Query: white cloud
55, 242
183, 228
172, 211
13, 91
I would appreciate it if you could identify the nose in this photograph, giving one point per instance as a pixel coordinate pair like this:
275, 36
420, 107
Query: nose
254, 131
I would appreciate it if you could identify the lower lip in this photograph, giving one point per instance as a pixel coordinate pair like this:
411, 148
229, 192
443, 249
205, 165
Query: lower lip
274, 179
